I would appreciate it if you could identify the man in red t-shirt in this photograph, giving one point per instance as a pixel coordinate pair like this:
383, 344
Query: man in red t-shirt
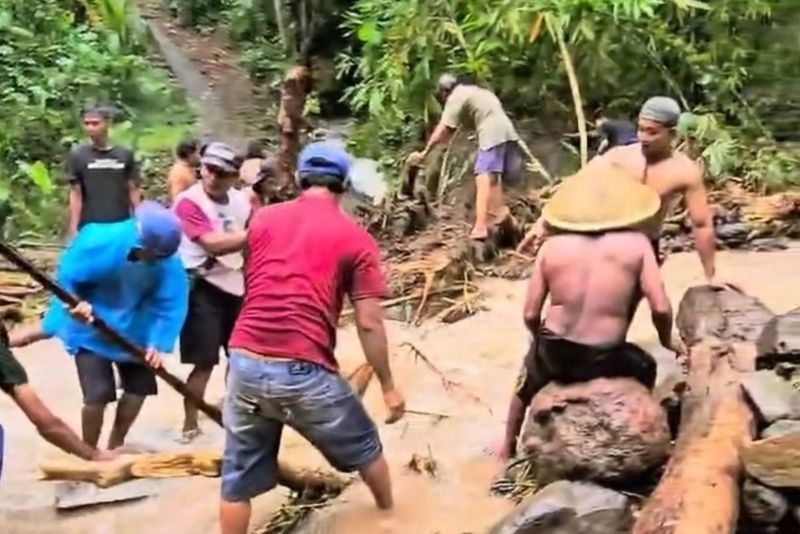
304, 256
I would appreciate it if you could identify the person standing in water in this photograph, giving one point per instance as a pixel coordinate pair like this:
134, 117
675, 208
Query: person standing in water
672, 174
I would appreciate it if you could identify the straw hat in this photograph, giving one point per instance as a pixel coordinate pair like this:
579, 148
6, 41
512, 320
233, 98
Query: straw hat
601, 197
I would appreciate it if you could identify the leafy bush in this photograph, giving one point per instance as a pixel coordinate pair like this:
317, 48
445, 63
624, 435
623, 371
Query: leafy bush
50, 66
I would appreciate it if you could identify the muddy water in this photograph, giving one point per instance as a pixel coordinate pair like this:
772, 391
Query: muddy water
480, 354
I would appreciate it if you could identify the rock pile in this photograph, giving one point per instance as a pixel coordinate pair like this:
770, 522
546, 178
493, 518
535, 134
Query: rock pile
771, 492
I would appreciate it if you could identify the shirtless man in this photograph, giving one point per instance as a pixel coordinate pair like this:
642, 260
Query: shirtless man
183, 173
500, 149
591, 279
672, 174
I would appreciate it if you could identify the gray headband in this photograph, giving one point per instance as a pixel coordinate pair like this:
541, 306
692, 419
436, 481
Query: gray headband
661, 109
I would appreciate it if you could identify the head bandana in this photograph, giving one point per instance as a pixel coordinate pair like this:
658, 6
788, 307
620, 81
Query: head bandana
661, 109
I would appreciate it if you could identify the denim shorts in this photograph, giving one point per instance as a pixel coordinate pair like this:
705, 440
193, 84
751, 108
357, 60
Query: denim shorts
263, 395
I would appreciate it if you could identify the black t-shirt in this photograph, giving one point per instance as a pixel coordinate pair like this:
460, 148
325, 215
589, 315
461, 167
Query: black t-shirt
104, 177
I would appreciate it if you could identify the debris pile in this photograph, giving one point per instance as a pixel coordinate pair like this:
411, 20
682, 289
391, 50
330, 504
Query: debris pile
20, 297
771, 492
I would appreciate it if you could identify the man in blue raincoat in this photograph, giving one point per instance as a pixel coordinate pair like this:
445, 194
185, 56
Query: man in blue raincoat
127, 273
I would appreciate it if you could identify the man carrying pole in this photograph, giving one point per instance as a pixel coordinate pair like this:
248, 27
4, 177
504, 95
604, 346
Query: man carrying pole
128, 274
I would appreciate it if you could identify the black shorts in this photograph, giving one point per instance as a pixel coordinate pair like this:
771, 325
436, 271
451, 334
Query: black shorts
553, 358
96, 376
209, 323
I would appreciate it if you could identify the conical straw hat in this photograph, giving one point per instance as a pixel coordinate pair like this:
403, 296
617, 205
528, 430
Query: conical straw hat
601, 197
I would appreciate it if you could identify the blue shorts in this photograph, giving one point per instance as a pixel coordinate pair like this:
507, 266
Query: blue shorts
264, 395
504, 159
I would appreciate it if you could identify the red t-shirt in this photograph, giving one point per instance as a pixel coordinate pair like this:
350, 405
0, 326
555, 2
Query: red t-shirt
194, 222
303, 257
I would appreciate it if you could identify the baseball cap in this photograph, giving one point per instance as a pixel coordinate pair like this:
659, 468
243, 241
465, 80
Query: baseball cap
159, 229
221, 156
326, 159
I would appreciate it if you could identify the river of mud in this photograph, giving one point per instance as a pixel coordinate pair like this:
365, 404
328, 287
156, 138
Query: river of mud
480, 354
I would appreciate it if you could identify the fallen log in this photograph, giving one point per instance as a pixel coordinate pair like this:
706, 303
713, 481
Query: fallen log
206, 463
700, 489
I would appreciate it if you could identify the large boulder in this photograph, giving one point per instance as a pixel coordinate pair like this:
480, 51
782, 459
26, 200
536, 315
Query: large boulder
605, 430
569, 508
774, 461
780, 340
774, 397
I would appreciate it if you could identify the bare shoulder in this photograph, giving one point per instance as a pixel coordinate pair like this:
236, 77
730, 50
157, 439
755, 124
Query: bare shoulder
687, 170
632, 243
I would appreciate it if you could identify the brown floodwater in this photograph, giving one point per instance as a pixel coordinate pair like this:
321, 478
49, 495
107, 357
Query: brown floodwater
479, 356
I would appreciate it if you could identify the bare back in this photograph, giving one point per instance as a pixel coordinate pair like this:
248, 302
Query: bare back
592, 282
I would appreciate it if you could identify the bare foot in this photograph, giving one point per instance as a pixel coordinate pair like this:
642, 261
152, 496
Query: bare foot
189, 435
479, 234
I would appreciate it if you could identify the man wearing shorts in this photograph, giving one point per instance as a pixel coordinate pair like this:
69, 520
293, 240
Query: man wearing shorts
128, 274
213, 218
498, 142
304, 256
594, 266
14, 382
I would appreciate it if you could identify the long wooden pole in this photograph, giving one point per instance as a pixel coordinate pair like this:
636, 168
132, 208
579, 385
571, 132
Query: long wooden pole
115, 337
298, 480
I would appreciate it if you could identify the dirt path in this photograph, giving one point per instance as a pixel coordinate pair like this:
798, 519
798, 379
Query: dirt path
482, 353
229, 106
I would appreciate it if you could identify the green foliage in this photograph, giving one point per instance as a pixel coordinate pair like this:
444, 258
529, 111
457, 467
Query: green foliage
50, 66
715, 57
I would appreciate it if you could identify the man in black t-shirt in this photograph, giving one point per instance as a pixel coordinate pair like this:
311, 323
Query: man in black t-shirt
104, 179
614, 132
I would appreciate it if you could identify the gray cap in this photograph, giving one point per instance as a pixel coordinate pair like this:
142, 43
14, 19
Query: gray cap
661, 109
447, 82
221, 156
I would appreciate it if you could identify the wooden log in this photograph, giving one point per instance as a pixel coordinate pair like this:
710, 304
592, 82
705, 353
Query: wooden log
295, 90
699, 491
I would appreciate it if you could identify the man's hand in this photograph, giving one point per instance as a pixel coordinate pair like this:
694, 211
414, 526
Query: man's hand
153, 358
395, 403
416, 158
531, 241
82, 312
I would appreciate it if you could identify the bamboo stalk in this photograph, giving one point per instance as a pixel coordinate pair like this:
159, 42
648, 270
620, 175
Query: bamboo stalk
575, 89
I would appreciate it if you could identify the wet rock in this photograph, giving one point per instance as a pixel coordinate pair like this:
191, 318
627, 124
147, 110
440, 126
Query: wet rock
774, 461
768, 244
782, 427
732, 234
723, 313
772, 396
605, 430
569, 508
779, 341
762, 504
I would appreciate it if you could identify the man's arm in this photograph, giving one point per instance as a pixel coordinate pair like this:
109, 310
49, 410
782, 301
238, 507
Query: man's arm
441, 135
132, 176
51, 427
168, 306
652, 287
197, 227
537, 293
702, 221
366, 288
75, 208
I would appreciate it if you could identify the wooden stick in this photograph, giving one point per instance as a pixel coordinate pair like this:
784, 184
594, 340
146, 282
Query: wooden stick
137, 352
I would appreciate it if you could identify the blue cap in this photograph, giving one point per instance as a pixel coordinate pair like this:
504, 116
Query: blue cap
326, 159
159, 229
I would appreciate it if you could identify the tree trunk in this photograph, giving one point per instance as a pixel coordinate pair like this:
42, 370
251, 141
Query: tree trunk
699, 492
296, 87
575, 89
